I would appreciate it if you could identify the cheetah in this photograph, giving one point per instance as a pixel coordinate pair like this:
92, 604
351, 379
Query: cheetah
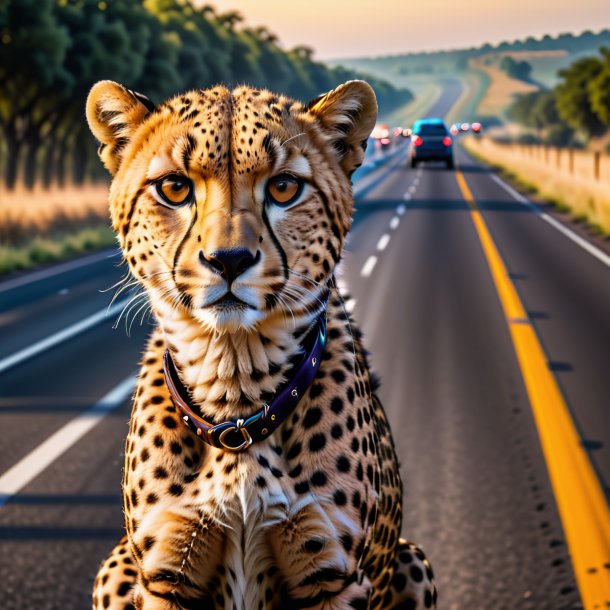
260, 471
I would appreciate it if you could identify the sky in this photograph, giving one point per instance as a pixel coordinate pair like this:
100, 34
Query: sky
358, 28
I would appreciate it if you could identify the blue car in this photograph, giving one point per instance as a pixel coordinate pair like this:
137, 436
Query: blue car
431, 141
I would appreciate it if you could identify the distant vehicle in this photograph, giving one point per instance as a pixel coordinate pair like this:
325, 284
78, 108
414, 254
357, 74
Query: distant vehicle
464, 126
430, 141
381, 133
455, 129
476, 127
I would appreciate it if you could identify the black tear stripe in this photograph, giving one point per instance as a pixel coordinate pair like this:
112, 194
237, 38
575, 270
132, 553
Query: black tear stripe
181, 245
276, 243
187, 151
132, 207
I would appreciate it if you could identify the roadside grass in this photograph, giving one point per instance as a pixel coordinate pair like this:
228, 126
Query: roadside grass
25, 214
41, 226
41, 250
585, 200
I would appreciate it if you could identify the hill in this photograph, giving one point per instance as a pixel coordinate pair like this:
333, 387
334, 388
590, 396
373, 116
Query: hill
547, 55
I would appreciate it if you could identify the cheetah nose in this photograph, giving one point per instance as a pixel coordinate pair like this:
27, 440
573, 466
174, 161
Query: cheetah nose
230, 264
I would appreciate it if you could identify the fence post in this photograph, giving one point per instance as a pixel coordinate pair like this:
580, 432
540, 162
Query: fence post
547, 152
558, 157
571, 159
596, 164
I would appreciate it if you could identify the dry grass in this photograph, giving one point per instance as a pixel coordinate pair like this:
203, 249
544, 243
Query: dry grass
27, 214
42, 250
41, 226
501, 90
572, 185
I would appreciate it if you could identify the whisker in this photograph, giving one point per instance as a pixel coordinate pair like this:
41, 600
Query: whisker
292, 138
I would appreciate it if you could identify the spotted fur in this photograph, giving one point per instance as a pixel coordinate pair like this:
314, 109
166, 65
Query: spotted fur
310, 517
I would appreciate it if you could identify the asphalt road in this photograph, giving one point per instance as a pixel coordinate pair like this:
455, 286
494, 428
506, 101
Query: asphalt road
477, 492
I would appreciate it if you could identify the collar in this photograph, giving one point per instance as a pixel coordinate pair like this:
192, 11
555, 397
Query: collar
238, 435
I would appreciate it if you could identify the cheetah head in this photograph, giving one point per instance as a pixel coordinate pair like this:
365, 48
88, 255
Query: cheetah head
231, 206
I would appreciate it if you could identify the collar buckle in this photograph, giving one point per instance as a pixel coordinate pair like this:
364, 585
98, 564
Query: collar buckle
235, 427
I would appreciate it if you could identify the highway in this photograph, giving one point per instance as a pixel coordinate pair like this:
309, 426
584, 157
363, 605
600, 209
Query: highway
478, 496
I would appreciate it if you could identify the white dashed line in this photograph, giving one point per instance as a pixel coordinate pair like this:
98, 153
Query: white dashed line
59, 337
342, 287
600, 255
394, 222
412, 189
383, 242
349, 305
401, 209
407, 196
35, 462
63, 291
43, 274
368, 267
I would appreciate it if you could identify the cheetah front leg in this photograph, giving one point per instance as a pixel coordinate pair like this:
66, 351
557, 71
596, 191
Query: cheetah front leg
115, 581
412, 585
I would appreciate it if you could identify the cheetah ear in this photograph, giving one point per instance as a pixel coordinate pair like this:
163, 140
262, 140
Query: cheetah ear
113, 114
348, 113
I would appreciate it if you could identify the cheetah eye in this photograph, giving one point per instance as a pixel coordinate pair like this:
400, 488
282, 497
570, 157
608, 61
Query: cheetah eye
284, 189
175, 190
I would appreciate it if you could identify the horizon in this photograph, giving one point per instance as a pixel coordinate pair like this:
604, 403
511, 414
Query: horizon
435, 26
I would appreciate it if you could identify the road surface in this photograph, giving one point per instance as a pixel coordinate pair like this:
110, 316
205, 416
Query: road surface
477, 492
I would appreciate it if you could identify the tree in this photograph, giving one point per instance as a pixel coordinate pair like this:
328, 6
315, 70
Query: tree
519, 70
32, 52
572, 95
599, 90
52, 51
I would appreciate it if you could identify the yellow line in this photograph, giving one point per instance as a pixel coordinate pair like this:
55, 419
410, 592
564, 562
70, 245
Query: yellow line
580, 499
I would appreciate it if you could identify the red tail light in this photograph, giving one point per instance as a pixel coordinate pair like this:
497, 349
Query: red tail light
447, 141
417, 141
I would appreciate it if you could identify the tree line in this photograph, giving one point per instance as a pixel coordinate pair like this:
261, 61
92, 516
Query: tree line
458, 59
576, 110
519, 70
52, 51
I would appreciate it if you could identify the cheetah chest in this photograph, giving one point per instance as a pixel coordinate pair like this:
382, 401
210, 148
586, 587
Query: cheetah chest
246, 526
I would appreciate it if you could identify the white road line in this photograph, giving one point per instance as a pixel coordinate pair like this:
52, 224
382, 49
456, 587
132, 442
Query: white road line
368, 267
394, 222
57, 269
342, 286
35, 462
600, 255
383, 242
401, 209
407, 196
59, 337
349, 305
412, 189
63, 291
511, 191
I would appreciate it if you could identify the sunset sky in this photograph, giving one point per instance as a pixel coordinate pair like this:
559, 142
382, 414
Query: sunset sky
352, 28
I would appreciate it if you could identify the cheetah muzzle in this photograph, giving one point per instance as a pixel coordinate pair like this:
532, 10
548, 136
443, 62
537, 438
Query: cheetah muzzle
231, 208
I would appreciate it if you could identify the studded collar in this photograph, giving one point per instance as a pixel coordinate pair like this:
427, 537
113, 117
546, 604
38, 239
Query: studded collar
239, 434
